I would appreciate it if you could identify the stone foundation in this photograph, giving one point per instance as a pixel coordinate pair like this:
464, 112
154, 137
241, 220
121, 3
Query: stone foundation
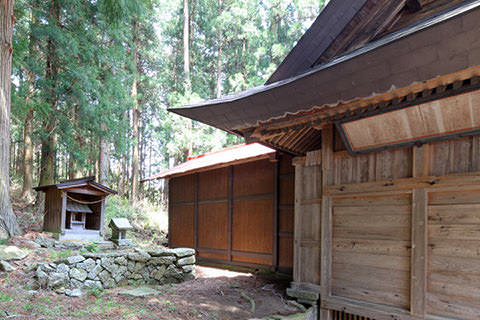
107, 270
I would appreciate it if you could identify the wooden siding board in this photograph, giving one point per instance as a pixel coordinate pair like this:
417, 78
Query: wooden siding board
213, 184
252, 226
371, 249
253, 178
213, 215
182, 188
243, 216
380, 253
454, 239
182, 226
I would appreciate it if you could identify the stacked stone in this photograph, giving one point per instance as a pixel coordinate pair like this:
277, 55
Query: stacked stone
107, 270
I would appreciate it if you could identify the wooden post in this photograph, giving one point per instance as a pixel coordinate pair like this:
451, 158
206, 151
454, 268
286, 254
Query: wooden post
297, 231
326, 214
195, 213
230, 211
418, 281
102, 209
418, 289
64, 212
276, 190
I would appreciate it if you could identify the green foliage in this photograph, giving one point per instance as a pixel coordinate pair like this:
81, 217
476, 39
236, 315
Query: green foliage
95, 292
92, 246
55, 254
75, 62
142, 214
5, 297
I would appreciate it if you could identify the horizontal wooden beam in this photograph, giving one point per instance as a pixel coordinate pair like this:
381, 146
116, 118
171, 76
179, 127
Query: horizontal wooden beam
253, 197
221, 200
204, 260
454, 182
370, 310
212, 250
252, 254
238, 253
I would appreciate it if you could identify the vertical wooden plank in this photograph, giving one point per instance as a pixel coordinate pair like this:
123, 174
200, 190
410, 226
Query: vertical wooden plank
275, 200
195, 212
326, 253
475, 153
371, 167
230, 211
326, 222
418, 283
327, 156
64, 212
297, 232
170, 206
102, 208
421, 161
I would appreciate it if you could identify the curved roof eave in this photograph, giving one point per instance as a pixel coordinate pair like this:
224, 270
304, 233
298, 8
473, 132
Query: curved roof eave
221, 118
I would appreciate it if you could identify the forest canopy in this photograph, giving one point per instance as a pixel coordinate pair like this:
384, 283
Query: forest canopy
91, 80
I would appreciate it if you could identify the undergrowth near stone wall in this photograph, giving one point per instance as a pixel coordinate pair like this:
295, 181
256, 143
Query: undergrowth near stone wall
149, 220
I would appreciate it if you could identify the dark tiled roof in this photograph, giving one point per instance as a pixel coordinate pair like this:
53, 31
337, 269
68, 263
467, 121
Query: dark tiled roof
326, 28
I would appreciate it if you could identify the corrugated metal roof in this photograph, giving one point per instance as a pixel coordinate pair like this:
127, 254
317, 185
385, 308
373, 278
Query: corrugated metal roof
226, 156
78, 207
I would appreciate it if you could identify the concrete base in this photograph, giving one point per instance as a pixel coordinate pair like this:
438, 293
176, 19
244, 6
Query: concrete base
82, 235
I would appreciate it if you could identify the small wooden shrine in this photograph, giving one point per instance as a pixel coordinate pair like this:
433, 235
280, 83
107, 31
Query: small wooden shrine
119, 227
74, 209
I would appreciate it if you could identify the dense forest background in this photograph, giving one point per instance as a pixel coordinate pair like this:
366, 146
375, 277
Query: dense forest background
91, 81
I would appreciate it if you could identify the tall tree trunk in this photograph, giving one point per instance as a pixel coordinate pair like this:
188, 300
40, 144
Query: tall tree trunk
27, 190
19, 160
49, 142
244, 64
136, 119
47, 162
103, 158
8, 220
141, 175
186, 71
186, 48
219, 53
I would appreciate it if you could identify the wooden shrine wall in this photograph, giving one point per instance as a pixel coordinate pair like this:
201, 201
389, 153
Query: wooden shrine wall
52, 221
240, 214
400, 230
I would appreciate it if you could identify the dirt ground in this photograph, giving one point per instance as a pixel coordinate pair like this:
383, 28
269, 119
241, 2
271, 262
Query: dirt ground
214, 294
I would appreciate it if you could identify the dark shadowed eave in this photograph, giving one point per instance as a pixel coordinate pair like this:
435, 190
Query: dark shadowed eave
412, 54
322, 33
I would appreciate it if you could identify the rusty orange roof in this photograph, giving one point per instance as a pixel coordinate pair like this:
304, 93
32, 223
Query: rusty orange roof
224, 157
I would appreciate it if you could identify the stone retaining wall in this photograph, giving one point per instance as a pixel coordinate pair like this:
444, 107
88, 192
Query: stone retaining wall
107, 270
